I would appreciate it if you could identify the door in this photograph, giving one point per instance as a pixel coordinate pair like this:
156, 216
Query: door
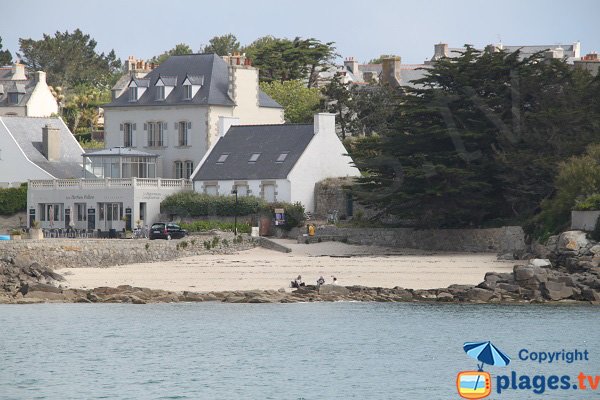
91, 219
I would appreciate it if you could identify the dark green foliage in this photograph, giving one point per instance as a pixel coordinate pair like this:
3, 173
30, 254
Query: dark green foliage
5, 56
195, 205
70, 59
180, 49
479, 142
204, 226
13, 200
284, 59
294, 214
222, 45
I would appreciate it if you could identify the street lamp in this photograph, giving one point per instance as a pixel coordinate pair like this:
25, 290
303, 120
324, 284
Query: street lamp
234, 191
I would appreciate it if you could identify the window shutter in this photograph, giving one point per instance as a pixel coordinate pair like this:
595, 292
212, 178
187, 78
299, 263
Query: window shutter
145, 126
189, 125
133, 137
134, 127
121, 127
175, 125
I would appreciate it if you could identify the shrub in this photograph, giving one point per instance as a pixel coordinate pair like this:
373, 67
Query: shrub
215, 241
200, 205
294, 214
207, 244
13, 200
225, 243
589, 203
203, 226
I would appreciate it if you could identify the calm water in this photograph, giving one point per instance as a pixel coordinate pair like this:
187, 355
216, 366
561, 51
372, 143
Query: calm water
291, 351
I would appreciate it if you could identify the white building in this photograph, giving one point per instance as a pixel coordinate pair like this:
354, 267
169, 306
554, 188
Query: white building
22, 96
275, 162
123, 192
37, 148
174, 110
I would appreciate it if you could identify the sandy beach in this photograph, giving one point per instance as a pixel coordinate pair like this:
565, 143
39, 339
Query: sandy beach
265, 269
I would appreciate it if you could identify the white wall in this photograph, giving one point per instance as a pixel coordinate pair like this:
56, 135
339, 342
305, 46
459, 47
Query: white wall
323, 158
282, 187
196, 148
14, 165
41, 103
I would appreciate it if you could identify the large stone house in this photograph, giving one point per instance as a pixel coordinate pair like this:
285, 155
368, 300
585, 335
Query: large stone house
25, 96
174, 110
281, 162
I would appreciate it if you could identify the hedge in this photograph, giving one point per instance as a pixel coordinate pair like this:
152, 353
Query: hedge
13, 200
192, 204
203, 226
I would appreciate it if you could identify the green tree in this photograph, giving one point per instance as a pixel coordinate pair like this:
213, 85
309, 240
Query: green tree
577, 181
380, 59
283, 59
478, 141
180, 49
5, 56
222, 45
70, 59
299, 102
81, 109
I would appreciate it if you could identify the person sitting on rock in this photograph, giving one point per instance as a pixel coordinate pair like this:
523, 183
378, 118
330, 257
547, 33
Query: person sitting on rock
320, 281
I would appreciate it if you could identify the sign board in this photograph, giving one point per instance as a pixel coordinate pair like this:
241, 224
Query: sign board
279, 216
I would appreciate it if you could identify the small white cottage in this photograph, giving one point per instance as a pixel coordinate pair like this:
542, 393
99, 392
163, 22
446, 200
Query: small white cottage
275, 162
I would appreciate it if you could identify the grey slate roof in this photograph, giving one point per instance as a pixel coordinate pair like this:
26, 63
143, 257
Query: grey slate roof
214, 70
169, 80
141, 82
270, 141
27, 131
22, 87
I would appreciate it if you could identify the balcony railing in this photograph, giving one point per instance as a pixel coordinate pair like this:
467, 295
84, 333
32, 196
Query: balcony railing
145, 183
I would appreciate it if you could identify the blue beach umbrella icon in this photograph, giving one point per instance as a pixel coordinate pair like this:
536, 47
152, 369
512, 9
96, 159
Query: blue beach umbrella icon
487, 353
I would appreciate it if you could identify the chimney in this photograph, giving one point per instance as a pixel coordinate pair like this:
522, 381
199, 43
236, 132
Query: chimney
440, 50
352, 65
40, 77
324, 124
51, 143
18, 72
225, 123
390, 71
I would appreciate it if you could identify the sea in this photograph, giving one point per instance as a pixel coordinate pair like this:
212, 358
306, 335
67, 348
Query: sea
299, 351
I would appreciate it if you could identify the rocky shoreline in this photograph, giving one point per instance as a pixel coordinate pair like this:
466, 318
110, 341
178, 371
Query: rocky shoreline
569, 274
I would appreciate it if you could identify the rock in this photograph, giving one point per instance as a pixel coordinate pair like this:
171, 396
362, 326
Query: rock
506, 256
529, 274
509, 287
42, 287
556, 290
572, 241
333, 290
42, 295
400, 294
595, 250
478, 294
540, 262
281, 290
445, 297
590, 295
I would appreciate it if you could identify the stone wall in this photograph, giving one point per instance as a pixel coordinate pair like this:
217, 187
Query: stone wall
584, 220
508, 239
71, 253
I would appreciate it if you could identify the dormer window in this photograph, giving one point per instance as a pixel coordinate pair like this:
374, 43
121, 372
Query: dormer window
164, 86
191, 85
187, 92
160, 93
133, 94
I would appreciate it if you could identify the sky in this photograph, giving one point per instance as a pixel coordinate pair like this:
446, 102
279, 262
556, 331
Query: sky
362, 29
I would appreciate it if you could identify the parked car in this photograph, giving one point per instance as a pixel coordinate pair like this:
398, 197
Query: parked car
166, 230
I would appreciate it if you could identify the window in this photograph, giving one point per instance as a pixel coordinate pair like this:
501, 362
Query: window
211, 190
178, 170
14, 98
110, 211
189, 169
222, 158
127, 135
51, 212
80, 209
160, 92
281, 157
254, 157
155, 134
187, 92
183, 133
133, 94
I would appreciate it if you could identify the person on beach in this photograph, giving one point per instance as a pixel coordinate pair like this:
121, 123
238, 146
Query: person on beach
320, 281
334, 280
299, 281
